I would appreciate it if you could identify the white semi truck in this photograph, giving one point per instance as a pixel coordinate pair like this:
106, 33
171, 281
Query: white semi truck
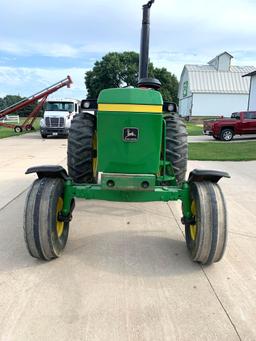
58, 114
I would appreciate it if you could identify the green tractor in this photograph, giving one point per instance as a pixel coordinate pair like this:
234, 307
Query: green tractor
134, 149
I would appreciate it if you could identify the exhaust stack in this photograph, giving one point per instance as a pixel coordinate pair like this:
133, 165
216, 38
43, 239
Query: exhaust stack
144, 81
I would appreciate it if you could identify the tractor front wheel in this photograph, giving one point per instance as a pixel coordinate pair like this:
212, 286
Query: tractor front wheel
206, 234
45, 235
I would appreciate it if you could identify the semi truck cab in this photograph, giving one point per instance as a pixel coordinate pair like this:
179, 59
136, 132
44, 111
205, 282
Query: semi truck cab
58, 114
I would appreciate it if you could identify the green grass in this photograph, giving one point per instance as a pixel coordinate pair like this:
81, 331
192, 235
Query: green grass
7, 132
193, 129
223, 151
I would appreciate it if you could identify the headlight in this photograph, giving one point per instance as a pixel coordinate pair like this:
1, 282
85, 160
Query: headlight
86, 105
171, 107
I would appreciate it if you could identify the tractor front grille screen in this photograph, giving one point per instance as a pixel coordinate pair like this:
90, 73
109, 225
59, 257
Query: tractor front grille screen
54, 122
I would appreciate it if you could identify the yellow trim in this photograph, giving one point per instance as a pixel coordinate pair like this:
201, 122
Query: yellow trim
193, 229
94, 160
130, 107
59, 224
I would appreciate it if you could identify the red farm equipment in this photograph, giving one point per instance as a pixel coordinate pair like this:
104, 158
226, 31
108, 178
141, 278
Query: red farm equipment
40, 96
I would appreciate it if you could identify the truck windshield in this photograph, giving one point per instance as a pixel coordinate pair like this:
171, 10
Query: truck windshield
59, 106
235, 115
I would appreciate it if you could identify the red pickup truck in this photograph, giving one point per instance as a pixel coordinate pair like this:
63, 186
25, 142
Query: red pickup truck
240, 123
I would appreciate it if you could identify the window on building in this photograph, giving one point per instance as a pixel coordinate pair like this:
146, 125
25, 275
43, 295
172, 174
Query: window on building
185, 89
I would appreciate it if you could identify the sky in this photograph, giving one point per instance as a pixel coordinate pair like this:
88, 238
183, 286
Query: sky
41, 42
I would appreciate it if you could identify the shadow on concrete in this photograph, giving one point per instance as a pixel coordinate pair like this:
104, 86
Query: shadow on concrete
128, 253
145, 252
105, 208
133, 253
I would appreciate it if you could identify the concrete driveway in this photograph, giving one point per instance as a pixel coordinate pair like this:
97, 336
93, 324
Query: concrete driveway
125, 273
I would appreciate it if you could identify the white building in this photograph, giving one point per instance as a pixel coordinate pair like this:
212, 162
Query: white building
215, 89
252, 93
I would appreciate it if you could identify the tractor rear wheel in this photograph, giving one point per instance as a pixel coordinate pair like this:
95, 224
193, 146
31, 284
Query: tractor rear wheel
206, 235
176, 146
45, 235
80, 148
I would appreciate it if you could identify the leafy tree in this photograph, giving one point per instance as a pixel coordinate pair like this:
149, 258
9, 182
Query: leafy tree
9, 100
121, 69
170, 84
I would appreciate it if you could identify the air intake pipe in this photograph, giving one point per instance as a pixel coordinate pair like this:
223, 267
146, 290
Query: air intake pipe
144, 81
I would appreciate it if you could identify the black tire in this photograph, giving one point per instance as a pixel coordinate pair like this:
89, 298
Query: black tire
206, 239
226, 134
176, 146
44, 234
80, 148
28, 127
44, 136
18, 129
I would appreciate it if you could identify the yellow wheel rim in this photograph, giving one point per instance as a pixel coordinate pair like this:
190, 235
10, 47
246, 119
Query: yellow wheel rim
94, 160
59, 224
192, 227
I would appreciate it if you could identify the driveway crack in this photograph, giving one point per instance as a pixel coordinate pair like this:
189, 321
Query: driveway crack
12, 200
222, 305
19, 194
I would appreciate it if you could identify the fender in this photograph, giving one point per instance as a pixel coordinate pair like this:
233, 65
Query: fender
55, 171
200, 175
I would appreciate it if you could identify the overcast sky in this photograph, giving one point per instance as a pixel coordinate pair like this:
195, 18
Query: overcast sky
43, 41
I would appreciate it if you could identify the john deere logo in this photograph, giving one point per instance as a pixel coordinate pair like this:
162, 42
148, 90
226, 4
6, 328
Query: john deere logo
130, 134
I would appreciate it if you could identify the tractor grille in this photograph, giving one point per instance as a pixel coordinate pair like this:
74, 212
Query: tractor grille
54, 122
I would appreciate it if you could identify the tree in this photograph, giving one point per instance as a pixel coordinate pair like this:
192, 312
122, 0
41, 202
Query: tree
9, 100
121, 69
170, 84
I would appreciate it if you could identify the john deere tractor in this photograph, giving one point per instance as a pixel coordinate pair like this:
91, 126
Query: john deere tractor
134, 149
